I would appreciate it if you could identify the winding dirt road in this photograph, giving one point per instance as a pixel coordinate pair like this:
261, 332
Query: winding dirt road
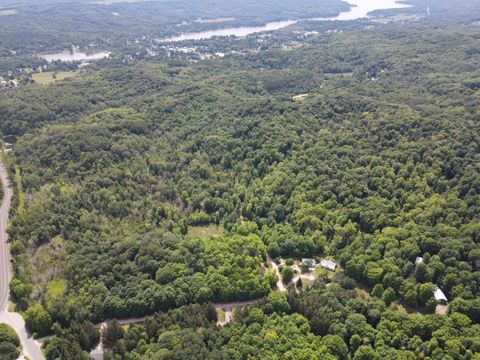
31, 348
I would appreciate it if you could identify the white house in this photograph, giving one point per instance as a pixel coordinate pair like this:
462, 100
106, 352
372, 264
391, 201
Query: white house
418, 260
440, 297
328, 264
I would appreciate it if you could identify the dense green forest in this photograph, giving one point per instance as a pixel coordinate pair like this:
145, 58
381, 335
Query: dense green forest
361, 145
332, 312
324, 322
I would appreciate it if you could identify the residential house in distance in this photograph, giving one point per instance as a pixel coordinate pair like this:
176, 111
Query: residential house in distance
440, 297
328, 264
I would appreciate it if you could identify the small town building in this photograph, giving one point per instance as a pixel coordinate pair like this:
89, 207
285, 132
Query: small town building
311, 264
440, 297
328, 264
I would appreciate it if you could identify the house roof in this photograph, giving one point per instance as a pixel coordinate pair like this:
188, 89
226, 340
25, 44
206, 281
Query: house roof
329, 264
439, 295
308, 260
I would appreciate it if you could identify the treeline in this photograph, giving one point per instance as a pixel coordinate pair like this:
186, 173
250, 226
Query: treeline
330, 322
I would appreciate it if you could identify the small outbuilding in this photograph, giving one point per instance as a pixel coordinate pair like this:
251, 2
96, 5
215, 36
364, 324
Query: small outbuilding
311, 264
328, 264
440, 297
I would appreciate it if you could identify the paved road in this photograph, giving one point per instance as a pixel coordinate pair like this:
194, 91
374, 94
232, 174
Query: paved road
31, 348
229, 307
4, 251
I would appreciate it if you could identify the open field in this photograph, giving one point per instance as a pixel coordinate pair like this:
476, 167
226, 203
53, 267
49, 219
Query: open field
205, 231
45, 78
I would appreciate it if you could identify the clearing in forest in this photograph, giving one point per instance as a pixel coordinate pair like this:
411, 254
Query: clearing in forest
205, 231
45, 78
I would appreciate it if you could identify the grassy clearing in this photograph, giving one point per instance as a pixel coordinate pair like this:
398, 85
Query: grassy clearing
56, 288
362, 293
399, 308
323, 273
221, 315
205, 231
306, 283
45, 78
45, 264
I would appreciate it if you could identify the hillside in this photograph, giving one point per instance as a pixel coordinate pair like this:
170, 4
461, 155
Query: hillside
360, 146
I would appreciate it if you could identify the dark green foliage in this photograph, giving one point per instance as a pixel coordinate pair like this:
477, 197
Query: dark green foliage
112, 333
9, 343
366, 326
38, 320
287, 274
20, 293
61, 348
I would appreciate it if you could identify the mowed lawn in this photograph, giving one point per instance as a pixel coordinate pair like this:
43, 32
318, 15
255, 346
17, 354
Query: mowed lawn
45, 78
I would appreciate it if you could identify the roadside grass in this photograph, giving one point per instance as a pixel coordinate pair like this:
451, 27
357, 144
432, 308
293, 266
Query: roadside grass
205, 231
20, 192
45, 78
12, 307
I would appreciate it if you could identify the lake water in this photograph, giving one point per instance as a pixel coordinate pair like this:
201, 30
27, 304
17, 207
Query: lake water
360, 10
75, 56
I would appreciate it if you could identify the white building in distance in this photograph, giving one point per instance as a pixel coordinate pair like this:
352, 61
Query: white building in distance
328, 264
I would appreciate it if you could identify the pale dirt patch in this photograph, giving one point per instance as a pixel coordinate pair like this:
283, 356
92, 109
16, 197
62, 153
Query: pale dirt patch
441, 309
